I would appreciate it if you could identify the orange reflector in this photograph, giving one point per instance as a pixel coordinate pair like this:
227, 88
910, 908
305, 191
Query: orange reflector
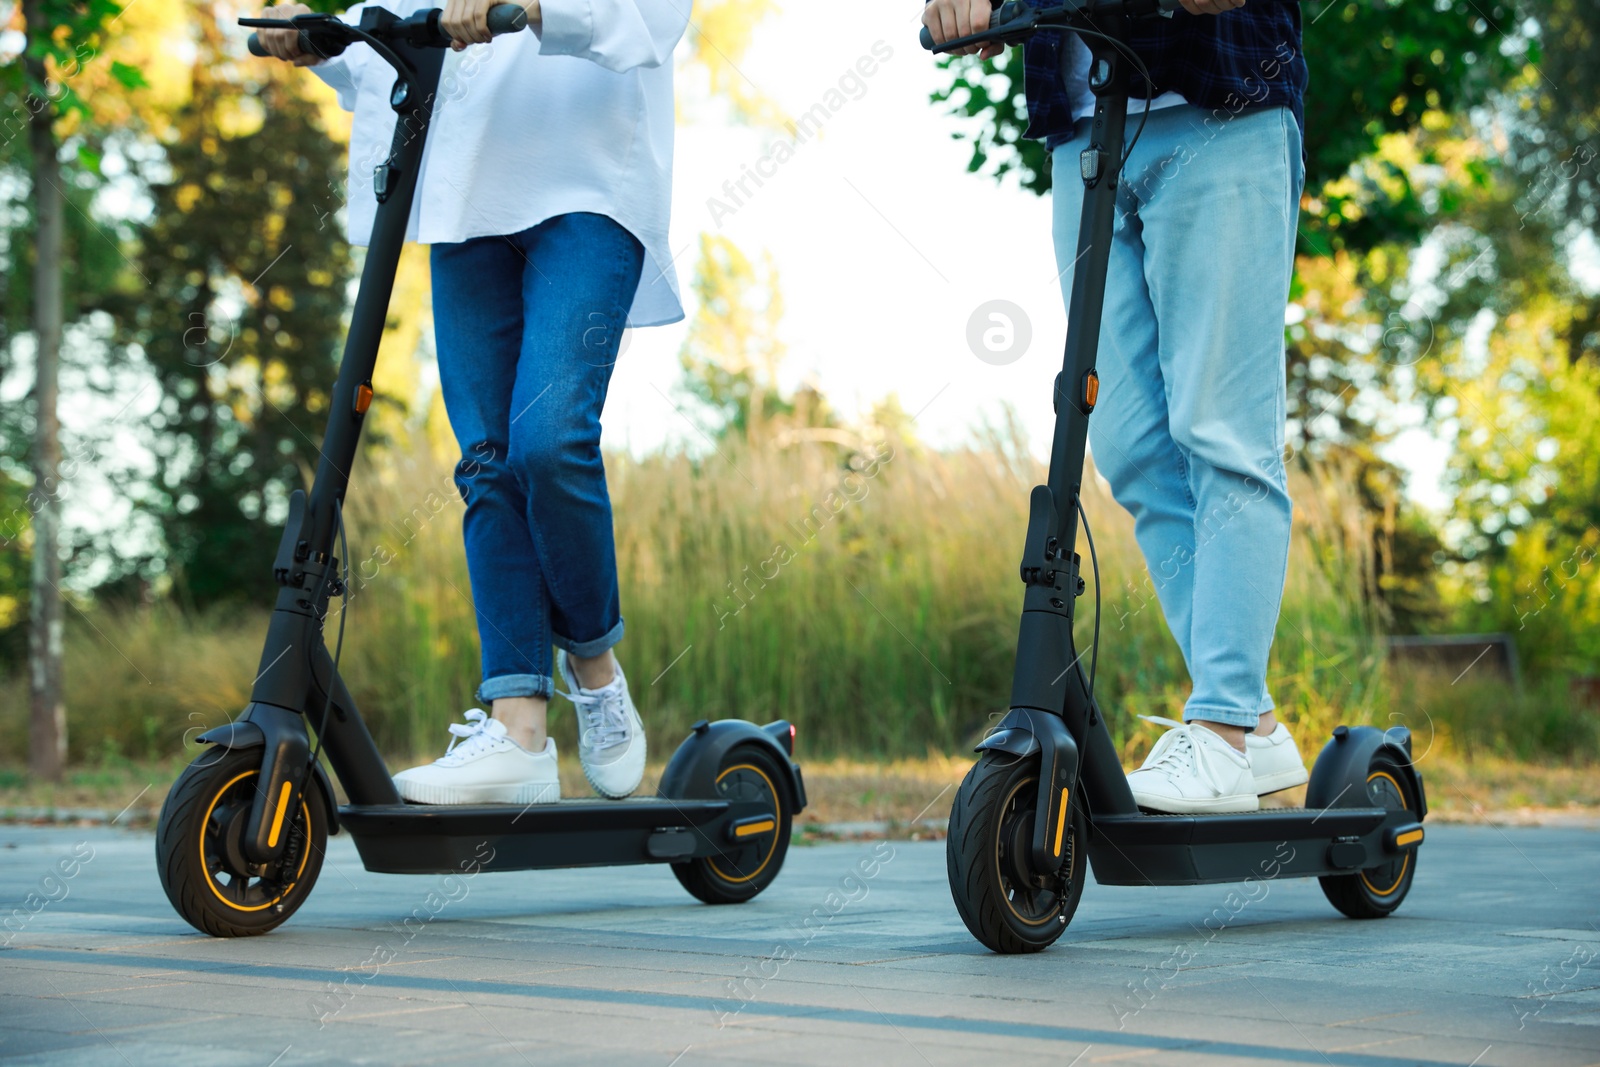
1091, 390
363, 398
1061, 818
277, 819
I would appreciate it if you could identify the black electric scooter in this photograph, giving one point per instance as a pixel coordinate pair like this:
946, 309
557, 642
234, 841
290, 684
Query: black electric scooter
242, 833
1049, 792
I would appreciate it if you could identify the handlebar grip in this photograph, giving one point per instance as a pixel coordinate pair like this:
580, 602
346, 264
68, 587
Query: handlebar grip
258, 49
502, 18
507, 18
926, 37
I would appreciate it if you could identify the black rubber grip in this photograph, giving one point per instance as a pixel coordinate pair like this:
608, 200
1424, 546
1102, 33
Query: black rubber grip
257, 49
926, 37
507, 18
502, 18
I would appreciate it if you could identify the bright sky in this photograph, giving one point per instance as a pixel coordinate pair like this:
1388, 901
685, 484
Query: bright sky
883, 243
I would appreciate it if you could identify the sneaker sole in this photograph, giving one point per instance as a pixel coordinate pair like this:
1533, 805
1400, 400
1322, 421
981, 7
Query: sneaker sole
608, 794
637, 778
527, 793
1272, 783
1183, 806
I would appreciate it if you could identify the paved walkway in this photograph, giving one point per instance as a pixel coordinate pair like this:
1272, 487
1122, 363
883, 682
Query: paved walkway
854, 956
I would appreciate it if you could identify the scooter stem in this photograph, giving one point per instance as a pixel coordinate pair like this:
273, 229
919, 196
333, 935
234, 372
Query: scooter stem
296, 673
1049, 675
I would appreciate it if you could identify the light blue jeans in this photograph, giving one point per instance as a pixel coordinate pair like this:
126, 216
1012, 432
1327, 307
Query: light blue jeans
1189, 428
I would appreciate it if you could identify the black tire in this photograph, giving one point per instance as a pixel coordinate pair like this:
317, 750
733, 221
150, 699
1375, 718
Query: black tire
1377, 891
740, 871
198, 857
1004, 906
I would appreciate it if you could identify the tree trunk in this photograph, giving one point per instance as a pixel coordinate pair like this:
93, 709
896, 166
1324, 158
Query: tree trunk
48, 735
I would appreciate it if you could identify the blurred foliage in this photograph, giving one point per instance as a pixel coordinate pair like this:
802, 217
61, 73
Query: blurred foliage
1376, 67
731, 356
989, 93
239, 318
719, 34
1526, 471
15, 545
1552, 146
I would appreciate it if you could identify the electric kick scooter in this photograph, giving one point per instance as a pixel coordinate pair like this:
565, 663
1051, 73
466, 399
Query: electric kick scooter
1048, 793
242, 833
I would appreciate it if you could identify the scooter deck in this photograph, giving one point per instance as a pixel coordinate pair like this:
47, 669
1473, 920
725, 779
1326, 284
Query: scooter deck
1160, 849
447, 839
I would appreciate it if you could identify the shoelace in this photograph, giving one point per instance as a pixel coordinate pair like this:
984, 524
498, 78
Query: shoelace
1177, 753
603, 715
471, 738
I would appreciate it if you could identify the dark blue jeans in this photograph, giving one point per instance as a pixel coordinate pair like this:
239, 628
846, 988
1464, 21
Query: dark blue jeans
527, 329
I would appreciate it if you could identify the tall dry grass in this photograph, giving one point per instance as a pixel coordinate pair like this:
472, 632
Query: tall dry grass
866, 590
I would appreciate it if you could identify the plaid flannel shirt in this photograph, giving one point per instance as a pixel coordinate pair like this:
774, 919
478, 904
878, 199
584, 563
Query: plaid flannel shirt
1246, 58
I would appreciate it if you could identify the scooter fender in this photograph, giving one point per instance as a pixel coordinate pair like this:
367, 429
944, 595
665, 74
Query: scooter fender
693, 769
1023, 733
1339, 777
252, 730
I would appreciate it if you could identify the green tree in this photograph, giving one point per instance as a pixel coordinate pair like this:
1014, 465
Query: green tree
241, 318
732, 353
60, 38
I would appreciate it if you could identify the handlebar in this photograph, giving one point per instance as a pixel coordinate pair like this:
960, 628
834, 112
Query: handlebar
327, 36
1014, 20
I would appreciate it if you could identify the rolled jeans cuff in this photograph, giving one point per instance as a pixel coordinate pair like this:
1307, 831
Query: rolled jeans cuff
1226, 716
515, 685
588, 649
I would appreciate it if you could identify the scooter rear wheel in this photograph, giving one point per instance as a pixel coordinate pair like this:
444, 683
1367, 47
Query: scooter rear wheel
749, 864
1377, 891
199, 856
1004, 904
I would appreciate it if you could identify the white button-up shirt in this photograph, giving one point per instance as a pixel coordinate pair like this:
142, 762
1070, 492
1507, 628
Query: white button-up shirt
578, 118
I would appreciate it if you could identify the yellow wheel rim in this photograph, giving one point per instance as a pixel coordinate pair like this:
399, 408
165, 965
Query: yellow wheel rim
777, 812
211, 884
1004, 807
1405, 859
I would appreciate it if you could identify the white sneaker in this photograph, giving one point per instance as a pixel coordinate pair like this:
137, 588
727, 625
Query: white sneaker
610, 735
1192, 771
484, 766
1275, 761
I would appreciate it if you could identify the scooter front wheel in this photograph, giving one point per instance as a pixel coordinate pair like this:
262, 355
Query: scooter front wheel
1005, 904
200, 858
